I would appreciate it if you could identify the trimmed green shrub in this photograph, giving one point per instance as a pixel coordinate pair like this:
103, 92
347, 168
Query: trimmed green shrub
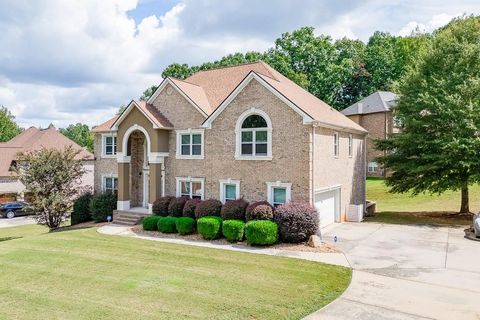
260, 210
150, 223
233, 230
175, 208
210, 227
102, 206
81, 209
261, 232
185, 225
234, 210
189, 208
160, 206
210, 207
167, 224
296, 221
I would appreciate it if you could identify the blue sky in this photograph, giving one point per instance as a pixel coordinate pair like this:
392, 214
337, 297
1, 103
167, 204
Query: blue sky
68, 61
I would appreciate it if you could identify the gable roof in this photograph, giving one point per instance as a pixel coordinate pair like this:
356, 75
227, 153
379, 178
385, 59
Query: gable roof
105, 126
157, 119
210, 91
379, 101
34, 139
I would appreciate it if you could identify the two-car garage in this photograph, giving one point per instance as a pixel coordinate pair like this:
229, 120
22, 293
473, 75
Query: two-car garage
327, 202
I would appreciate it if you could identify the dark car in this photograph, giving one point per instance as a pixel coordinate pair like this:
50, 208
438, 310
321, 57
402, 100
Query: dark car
15, 209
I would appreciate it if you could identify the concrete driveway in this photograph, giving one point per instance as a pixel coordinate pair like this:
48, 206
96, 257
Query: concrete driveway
406, 272
5, 223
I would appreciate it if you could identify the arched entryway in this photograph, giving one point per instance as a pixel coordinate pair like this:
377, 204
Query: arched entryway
137, 150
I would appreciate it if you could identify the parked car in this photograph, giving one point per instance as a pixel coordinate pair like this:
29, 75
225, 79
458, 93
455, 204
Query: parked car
13, 209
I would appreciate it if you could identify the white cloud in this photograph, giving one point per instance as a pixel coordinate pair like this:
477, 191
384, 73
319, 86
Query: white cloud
65, 61
435, 22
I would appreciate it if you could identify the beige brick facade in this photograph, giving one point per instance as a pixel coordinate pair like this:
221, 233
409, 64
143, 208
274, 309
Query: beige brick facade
300, 156
104, 166
379, 126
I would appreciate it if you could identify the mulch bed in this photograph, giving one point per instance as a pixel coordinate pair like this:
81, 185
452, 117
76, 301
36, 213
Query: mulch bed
325, 248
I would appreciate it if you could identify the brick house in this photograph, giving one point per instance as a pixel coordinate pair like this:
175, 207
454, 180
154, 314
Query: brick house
244, 131
30, 140
375, 115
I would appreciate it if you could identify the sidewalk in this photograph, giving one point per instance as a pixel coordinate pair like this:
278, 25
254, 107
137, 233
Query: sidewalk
330, 258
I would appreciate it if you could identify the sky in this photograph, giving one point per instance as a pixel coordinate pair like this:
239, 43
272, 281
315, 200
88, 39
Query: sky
69, 61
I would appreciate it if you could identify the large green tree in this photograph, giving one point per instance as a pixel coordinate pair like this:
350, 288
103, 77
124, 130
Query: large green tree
80, 133
8, 127
438, 148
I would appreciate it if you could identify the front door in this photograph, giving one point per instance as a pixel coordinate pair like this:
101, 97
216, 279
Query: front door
146, 188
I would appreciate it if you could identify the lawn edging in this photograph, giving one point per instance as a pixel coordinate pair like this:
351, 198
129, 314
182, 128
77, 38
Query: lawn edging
337, 259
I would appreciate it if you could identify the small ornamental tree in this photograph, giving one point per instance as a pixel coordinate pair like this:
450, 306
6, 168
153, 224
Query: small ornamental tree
438, 114
53, 178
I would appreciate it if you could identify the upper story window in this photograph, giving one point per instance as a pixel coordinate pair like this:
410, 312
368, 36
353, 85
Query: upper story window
335, 144
372, 166
254, 136
190, 144
109, 145
350, 145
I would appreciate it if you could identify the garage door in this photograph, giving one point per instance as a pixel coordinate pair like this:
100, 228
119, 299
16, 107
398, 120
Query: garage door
328, 206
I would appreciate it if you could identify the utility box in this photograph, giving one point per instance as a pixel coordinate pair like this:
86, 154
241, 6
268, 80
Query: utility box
355, 213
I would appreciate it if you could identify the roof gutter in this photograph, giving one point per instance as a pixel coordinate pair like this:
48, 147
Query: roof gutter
317, 123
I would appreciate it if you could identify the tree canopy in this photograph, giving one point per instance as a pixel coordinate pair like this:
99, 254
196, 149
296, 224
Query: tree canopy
80, 133
438, 112
339, 72
8, 127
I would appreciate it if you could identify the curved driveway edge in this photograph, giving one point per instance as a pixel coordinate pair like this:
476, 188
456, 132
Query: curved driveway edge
406, 272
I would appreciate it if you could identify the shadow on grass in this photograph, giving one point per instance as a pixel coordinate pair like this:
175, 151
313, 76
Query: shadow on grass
80, 226
9, 238
425, 218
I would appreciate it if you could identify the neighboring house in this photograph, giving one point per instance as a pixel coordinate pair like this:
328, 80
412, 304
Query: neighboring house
375, 115
243, 131
30, 140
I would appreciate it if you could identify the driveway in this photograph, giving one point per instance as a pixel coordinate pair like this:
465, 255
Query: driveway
5, 223
406, 272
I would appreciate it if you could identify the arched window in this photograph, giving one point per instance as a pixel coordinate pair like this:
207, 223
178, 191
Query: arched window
254, 136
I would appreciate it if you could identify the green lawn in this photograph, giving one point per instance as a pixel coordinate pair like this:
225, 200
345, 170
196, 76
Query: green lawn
80, 274
420, 209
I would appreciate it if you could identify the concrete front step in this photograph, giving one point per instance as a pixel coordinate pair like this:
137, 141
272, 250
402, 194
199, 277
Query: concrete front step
128, 217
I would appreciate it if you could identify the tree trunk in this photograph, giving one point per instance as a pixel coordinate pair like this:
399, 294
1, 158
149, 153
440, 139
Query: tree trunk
465, 207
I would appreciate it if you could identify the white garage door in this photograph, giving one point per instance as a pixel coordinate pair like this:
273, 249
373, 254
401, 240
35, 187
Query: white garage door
328, 205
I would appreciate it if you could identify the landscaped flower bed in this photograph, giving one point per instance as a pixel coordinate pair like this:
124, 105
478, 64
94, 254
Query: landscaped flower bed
237, 221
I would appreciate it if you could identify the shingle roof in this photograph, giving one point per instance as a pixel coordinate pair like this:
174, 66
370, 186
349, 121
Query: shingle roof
154, 114
208, 89
35, 139
105, 126
379, 101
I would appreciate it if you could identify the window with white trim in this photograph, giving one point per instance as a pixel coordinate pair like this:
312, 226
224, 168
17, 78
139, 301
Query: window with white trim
372, 166
254, 136
229, 190
190, 187
279, 193
350, 145
190, 144
109, 145
110, 185
335, 144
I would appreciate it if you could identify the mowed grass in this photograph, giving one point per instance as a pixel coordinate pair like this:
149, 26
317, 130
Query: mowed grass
81, 274
420, 209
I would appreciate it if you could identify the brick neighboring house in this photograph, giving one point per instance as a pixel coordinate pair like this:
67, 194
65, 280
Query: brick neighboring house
30, 140
375, 115
243, 131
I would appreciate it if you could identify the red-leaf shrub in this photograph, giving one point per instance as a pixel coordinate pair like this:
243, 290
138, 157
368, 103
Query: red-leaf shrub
160, 206
297, 221
260, 210
210, 207
234, 210
189, 208
175, 208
